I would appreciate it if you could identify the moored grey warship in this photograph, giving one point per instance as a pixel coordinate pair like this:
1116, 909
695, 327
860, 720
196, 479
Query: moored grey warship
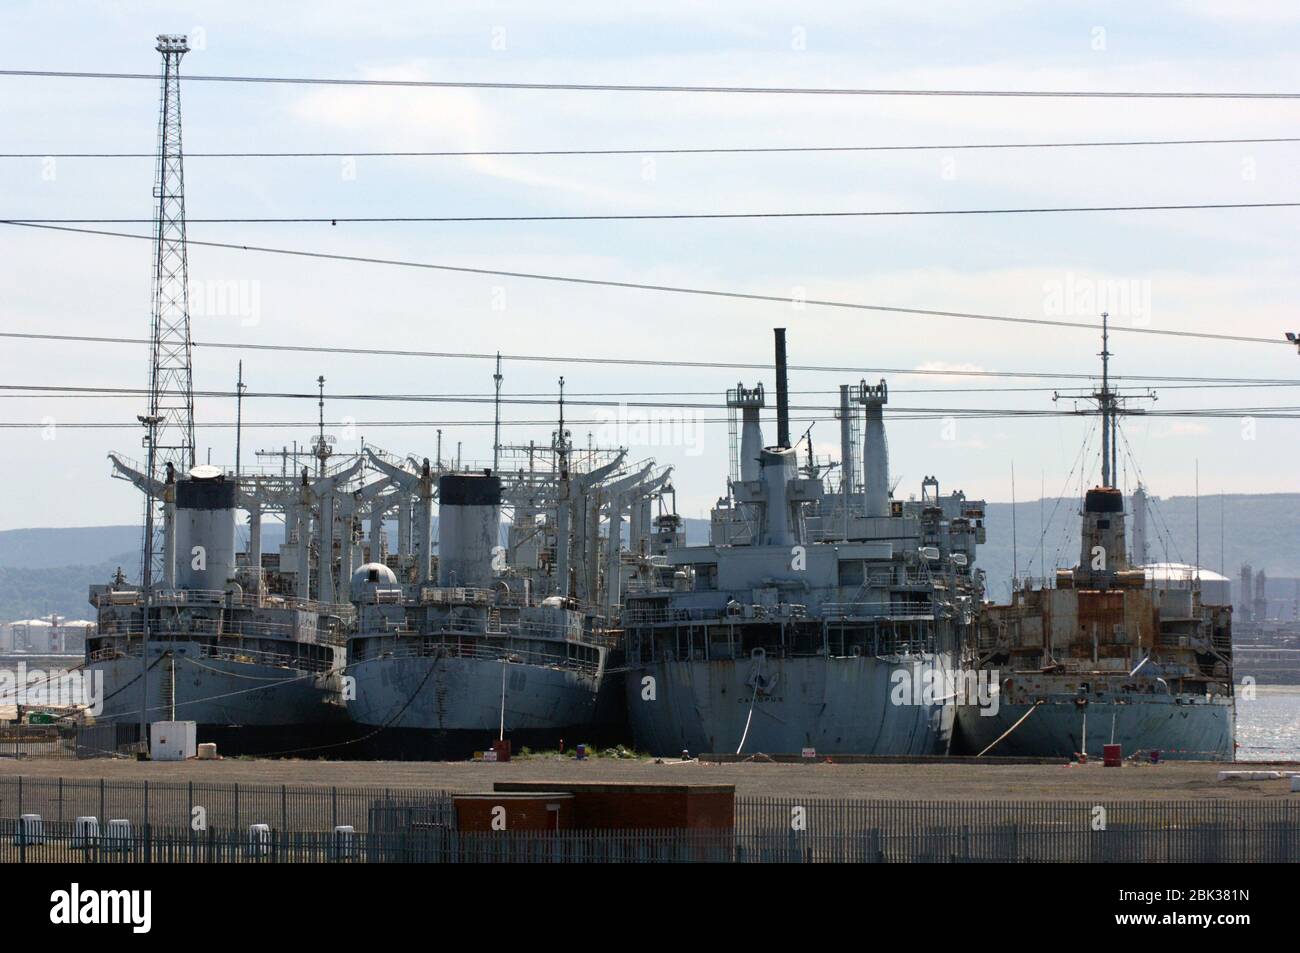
815, 619
230, 647
490, 642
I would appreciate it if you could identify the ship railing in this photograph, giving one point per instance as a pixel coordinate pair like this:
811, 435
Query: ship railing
383, 626
876, 610
643, 586
162, 630
487, 627
428, 647
227, 654
180, 597
661, 614
829, 611
455, 596
513, 598
548, 630
257, 657
247, 600
739, 615
482, 626
893, 580
251, 600
699, 649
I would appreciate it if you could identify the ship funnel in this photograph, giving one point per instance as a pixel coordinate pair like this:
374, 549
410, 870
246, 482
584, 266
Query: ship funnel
875, 449
778, 466
469, 529
205, 530
782, 393
1103, 545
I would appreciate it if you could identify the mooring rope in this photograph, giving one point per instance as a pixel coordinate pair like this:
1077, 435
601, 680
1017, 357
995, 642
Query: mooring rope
753, 696
1009, 730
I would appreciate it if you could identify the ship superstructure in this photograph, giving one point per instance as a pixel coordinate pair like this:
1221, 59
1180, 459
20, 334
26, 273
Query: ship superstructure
1114, 653
234, 642
820, 616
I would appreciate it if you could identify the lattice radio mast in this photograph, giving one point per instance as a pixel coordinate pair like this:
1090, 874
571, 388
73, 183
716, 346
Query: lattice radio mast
171, 388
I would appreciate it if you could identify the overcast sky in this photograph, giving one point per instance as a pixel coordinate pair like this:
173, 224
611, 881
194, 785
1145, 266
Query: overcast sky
1220, 271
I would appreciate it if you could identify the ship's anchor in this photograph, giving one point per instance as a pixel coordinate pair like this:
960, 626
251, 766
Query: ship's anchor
760, 680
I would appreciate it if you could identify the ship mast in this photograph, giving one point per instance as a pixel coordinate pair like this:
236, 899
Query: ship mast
496, 421
1105, 405
561, 443
1110, 405
1103, 549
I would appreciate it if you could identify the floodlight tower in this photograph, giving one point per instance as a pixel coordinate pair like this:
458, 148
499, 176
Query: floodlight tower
171, 387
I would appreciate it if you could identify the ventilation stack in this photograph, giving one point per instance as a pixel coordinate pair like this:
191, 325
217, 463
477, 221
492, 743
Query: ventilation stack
848, 466
749, 400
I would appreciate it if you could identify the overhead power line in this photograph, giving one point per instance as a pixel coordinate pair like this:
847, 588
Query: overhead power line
549, 400
656, 362
715, 150
663, 88
47, 391
540, 422
669, 289
895, 414
653, 217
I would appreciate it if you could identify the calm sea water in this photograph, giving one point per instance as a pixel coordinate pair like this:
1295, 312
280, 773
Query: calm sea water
1268, 728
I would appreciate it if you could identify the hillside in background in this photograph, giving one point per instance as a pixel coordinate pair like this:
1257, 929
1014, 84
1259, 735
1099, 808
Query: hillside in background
1260, 529
48, 570
33, 593
49, 548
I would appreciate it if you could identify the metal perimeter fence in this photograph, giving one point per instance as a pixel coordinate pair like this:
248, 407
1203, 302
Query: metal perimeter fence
225, 806
228, 822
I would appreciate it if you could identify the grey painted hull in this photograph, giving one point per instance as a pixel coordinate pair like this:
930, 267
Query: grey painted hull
834, 705
451, 707
1197, 732
250, 707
